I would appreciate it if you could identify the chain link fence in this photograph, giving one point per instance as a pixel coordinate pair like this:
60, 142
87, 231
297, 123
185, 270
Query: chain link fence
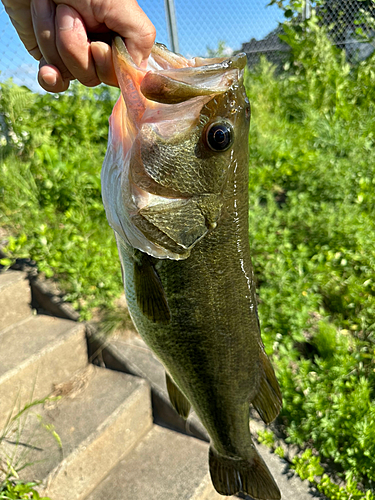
349, 23
201, 27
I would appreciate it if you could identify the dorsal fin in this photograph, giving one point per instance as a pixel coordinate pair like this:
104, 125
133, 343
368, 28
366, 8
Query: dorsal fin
268, 401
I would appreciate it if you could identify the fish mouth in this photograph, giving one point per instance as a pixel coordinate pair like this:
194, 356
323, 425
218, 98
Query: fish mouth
160, 108
171, 78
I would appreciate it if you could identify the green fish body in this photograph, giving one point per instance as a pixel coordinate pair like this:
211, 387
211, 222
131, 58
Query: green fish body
175, 188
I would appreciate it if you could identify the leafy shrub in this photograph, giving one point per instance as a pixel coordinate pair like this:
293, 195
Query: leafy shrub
14, 490
266, 437
312, 236
307, 466
50, 198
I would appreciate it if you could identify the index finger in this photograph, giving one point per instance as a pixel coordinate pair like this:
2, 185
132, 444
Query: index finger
126, 18
20, 15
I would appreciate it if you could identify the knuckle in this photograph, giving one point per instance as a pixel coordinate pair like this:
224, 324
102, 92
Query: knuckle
148, 35
35, 53
90, 81
66, 74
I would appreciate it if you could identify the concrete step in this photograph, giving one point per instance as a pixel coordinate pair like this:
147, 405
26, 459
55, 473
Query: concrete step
100, 418
15, 298
35, 354
133, 356
165, 465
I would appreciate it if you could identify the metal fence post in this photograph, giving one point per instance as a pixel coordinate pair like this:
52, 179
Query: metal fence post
170, 14
306, 13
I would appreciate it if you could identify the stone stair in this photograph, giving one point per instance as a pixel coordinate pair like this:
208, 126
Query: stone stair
132, 356
95, 437
165, 465
105, 434
36, 353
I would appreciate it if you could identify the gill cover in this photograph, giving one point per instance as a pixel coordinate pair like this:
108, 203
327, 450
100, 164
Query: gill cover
164, 101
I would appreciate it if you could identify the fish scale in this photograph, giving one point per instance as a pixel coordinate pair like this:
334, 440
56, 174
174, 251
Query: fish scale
185, 254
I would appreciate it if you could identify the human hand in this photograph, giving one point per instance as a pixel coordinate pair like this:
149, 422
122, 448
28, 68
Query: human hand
58, 34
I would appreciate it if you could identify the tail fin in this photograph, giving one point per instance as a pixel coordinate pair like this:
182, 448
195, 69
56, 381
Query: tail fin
232, 475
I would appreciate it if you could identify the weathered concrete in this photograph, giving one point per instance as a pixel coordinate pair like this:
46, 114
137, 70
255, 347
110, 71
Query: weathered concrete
36, 354
15, 298
291, 486
48, 297
165, 465
100, 418
133, 356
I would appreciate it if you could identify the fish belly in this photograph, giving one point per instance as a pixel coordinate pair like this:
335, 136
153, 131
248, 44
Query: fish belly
212, 350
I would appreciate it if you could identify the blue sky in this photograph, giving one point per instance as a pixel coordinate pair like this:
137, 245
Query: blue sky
200, 24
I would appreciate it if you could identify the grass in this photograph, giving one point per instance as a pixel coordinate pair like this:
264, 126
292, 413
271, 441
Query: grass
312, 237
50, 190
14, 455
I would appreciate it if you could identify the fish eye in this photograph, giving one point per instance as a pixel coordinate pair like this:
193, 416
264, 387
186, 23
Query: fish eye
219, 136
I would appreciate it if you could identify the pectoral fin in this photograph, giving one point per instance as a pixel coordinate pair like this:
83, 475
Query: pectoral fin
268, 401
149, 291
178, 400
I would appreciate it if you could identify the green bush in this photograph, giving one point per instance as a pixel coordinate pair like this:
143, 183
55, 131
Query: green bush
14, 490
50, 198
312, 236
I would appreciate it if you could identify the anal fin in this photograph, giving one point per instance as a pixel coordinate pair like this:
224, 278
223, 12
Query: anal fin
268, 401
149, 291
178, 400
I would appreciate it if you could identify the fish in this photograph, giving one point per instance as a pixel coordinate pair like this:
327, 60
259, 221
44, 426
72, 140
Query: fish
175, 190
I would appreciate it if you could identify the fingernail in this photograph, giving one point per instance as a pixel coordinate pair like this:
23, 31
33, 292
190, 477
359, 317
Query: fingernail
64, 17
49, 79
42, 8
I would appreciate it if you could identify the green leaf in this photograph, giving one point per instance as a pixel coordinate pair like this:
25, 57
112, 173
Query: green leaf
6, 262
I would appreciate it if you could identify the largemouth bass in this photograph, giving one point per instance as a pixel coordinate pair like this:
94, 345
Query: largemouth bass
175, 190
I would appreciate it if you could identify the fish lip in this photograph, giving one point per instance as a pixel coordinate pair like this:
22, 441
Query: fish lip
237, 61
171, 78
121, 51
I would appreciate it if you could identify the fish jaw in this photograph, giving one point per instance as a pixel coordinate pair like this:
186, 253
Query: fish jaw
159, 105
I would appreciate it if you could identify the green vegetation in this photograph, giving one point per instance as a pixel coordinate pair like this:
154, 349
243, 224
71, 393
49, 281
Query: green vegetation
313, 243
312, 234
50, 160
14, 490
308, 466
14, 459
